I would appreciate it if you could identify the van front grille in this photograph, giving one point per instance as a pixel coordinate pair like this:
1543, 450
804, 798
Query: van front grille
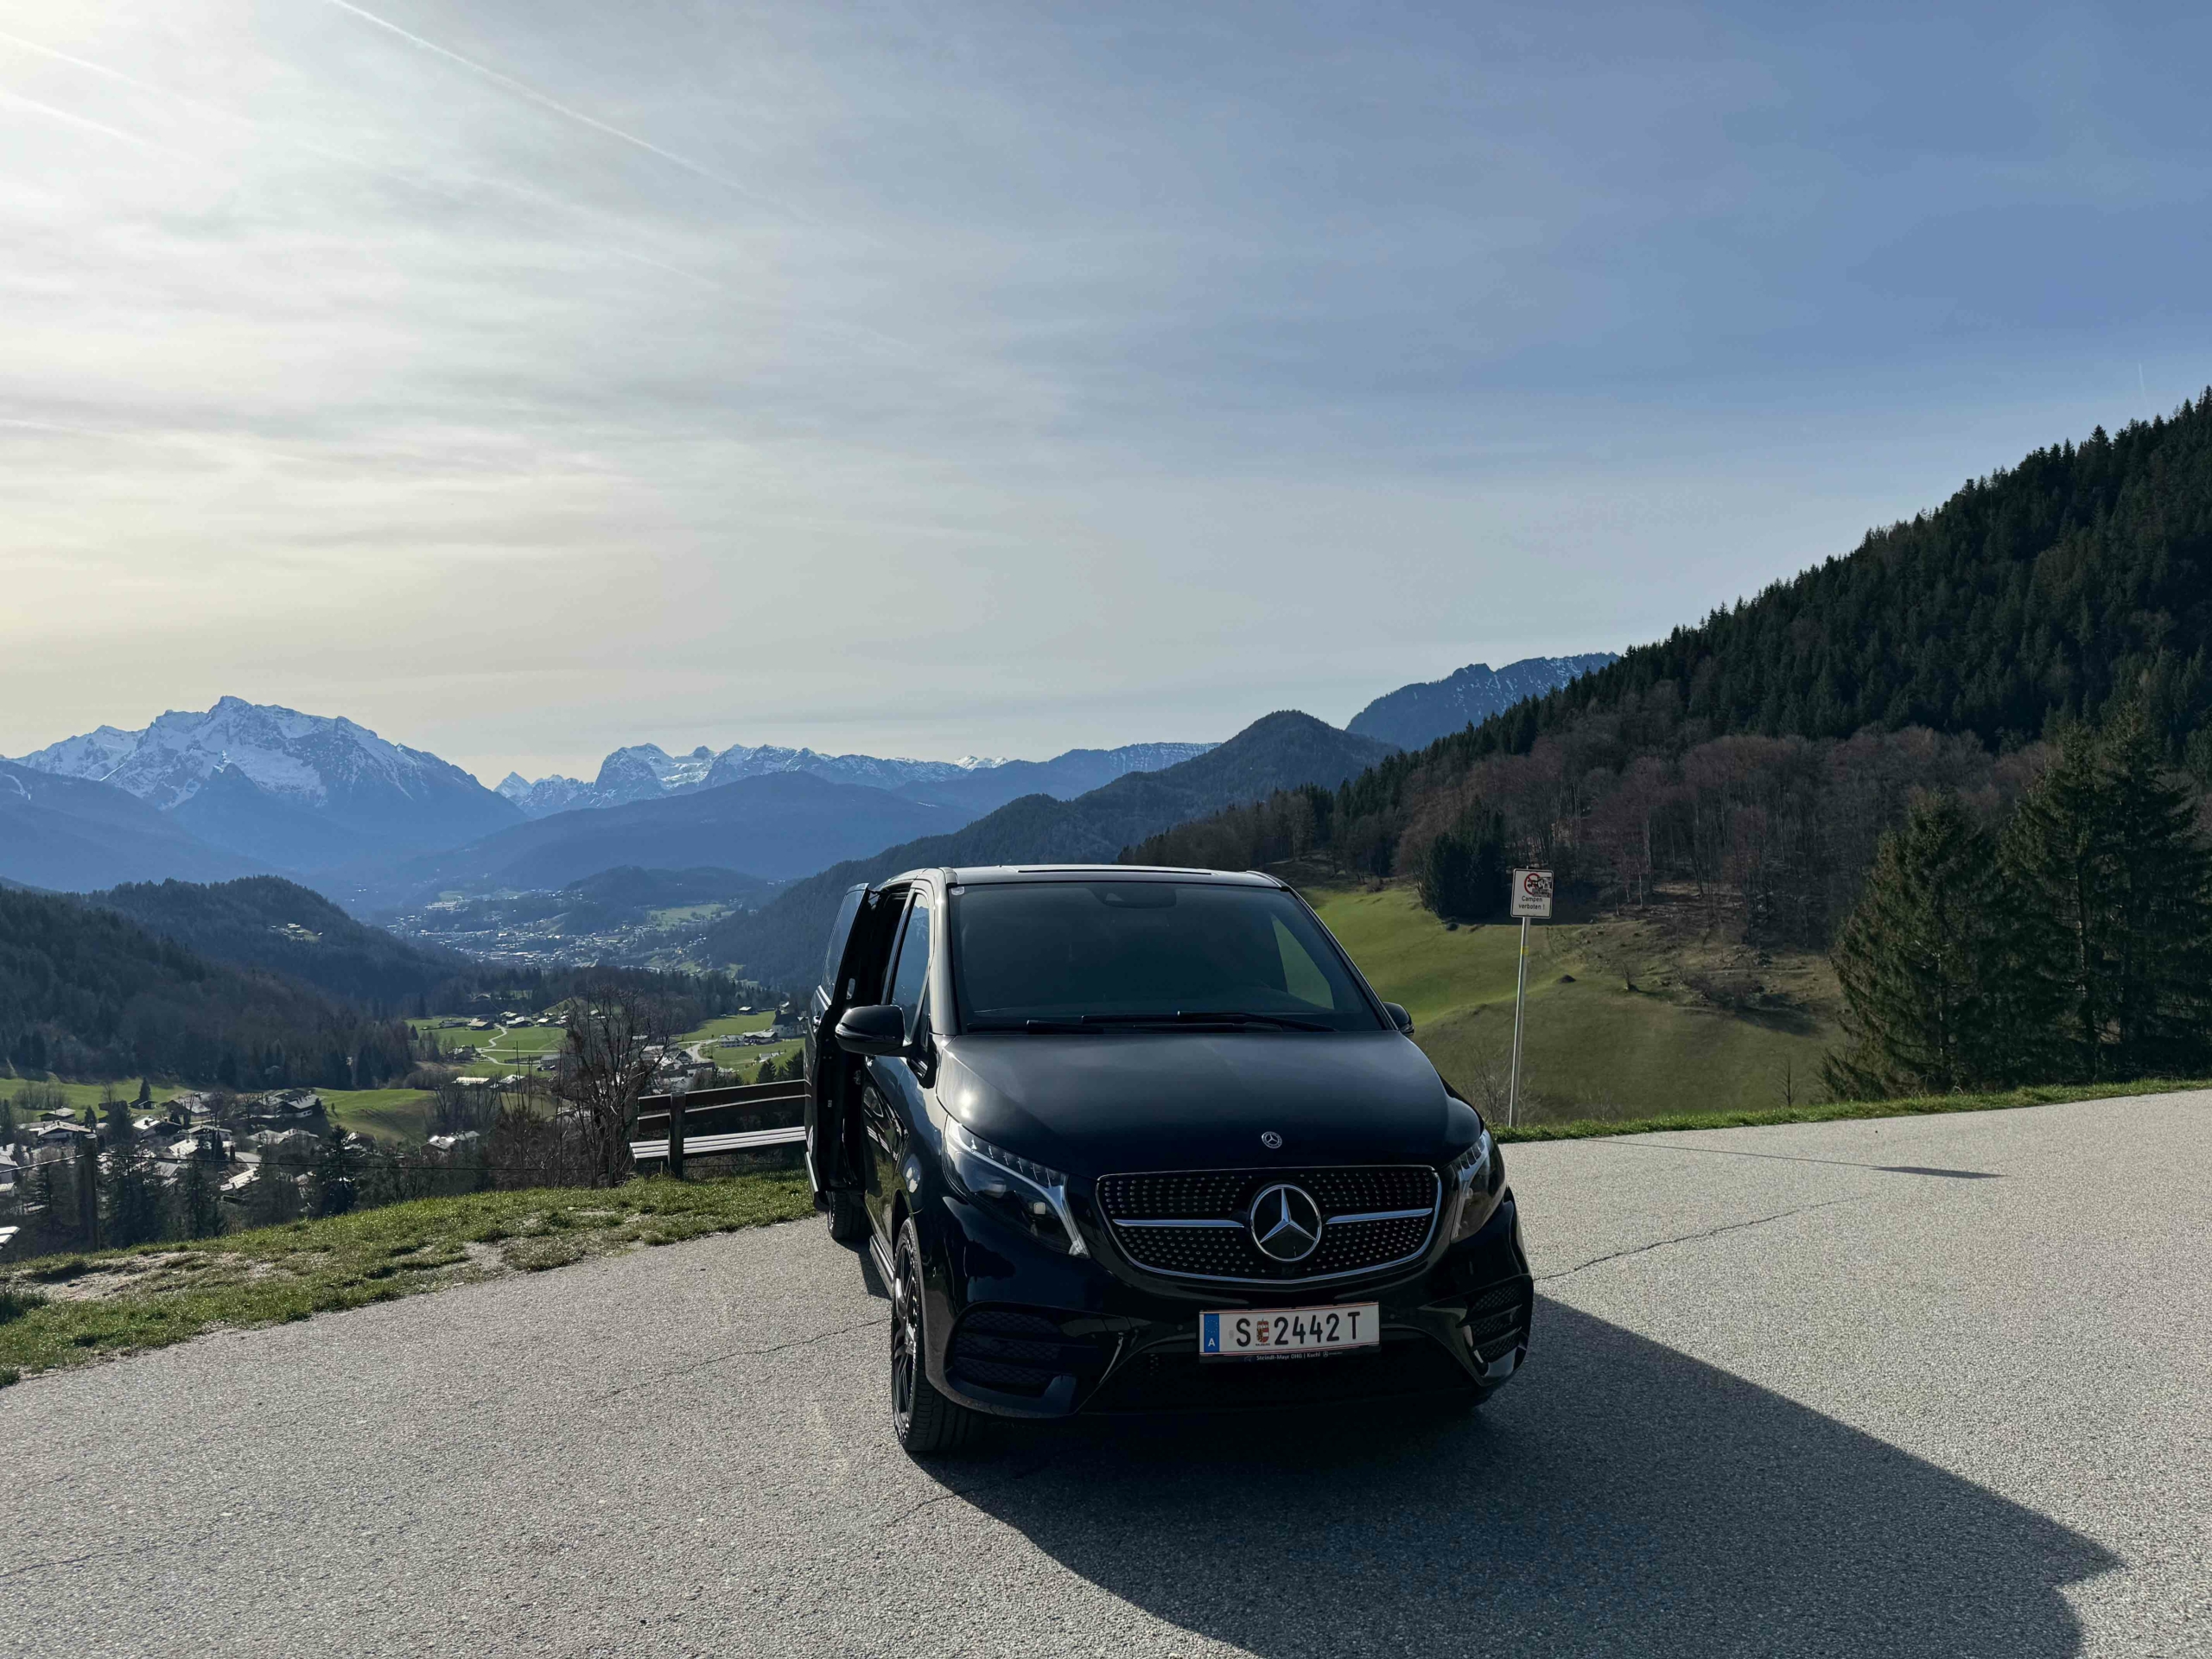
1196, 1224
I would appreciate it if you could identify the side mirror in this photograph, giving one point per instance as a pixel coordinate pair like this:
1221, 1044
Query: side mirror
1400, 1018
874, 1029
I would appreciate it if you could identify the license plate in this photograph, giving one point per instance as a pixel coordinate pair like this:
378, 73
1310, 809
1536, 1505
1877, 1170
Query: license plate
1278, 1332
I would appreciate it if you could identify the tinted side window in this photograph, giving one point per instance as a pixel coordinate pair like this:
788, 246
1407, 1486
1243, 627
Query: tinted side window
840, 931
911, 977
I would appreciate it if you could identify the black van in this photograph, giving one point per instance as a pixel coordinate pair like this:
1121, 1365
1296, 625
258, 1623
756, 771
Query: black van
1127, 1139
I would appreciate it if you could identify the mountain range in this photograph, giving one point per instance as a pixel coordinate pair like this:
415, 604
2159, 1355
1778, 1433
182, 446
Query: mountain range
274, 787
779, 942
1415, 716
243, 788
779, 825
646, 771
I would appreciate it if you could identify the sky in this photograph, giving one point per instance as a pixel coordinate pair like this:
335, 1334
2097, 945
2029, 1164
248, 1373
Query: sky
525, 377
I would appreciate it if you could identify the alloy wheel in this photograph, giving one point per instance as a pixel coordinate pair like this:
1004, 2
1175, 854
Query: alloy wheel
905, 1334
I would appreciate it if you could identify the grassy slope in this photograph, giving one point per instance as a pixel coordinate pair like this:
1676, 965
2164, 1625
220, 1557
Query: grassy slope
1592, 1047
121, 1301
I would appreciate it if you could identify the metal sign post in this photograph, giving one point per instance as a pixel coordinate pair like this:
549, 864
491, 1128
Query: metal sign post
1531, 897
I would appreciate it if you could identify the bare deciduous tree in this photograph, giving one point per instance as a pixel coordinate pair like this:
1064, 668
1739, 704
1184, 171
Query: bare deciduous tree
614, 1039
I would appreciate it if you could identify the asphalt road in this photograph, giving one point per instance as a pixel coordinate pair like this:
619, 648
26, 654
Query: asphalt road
1928, 1387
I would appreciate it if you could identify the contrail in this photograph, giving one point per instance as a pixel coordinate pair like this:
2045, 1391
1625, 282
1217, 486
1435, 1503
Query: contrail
522, 90
80, 63
116, 133
410, 176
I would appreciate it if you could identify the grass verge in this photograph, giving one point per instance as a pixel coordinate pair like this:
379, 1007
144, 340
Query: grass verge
1834, 1111
65, 1309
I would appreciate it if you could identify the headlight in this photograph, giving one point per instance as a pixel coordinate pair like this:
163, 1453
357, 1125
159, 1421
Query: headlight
1473, 1179
1030, 1194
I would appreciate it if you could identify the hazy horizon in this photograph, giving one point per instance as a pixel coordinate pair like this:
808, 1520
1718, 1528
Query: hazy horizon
522, 382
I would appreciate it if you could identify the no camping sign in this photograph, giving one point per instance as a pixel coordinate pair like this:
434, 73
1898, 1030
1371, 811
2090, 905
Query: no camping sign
1532, 894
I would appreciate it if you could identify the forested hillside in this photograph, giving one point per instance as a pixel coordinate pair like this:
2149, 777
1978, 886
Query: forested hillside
1759, 757
2031, 597
781, 943
267, 922
87, 993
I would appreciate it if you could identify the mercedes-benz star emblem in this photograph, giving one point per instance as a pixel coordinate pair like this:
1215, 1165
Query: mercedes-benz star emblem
1286, 1222
1271, 1141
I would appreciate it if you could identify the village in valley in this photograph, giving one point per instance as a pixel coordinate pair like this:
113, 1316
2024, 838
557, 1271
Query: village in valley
131, 1168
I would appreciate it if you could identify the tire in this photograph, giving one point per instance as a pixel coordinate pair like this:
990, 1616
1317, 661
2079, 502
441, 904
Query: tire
927, 1424
846, 1214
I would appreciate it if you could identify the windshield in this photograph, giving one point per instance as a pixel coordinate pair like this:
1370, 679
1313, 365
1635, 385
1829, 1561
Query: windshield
1076, 954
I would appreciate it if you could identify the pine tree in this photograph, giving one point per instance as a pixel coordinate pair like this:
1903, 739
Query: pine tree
1918, 961
1464, 875
134, 1202
2115, 907
333, 1179
200, 1203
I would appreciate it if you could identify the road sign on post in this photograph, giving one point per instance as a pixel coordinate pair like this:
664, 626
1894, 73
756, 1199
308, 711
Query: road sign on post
1531, 899
1532, 894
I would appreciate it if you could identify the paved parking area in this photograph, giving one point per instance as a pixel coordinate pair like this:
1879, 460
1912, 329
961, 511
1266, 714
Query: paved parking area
1923, 1387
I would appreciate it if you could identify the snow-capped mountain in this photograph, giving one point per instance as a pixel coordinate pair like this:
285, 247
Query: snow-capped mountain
644, 771
295, 790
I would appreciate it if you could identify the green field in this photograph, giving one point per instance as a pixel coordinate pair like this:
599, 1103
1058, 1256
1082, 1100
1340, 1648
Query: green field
730, 1025
498, 1050
380, 1113
82, 1095
1593, 1047
746, 1061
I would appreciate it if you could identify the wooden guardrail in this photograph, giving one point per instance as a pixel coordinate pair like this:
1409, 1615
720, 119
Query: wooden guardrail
746, 1118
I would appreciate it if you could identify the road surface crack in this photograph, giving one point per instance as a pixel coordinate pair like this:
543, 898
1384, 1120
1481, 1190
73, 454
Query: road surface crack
1692, 1238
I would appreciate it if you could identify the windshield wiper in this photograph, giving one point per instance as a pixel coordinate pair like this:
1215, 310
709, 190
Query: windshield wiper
1237, 1017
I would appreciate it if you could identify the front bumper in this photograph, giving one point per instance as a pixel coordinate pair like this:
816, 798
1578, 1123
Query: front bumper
1019, 1331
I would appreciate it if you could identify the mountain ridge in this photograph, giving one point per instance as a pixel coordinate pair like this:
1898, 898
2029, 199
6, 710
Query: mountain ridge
265, 922
1414, 716
1756, 758
87, 992
69, 834
779, 942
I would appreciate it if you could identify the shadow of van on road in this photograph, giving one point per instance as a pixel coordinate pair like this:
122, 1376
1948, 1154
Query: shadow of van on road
1619, 1498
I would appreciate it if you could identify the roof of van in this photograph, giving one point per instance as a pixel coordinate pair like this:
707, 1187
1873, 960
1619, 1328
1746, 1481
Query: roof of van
988, 874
